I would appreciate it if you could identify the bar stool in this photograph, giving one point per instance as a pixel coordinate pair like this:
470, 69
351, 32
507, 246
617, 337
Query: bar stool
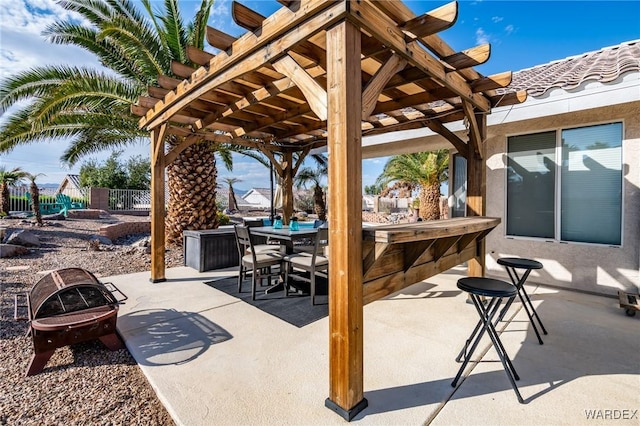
511, 264
495, 290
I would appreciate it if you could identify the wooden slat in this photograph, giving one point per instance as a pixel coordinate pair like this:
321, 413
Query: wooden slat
418, 231
245, 17
496, 81
198, 56
380, 25
432, 22
510, 98
398, 11
219, 39
249, 53
181, 70
477, 55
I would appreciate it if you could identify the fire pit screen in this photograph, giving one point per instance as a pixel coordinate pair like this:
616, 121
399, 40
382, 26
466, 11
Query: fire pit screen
69, 306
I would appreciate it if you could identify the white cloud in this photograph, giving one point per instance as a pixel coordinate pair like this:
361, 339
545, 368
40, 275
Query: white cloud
482, 37
23, 45
509, 29
497, 19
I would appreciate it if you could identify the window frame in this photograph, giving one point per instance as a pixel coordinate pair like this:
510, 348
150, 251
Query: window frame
558, 183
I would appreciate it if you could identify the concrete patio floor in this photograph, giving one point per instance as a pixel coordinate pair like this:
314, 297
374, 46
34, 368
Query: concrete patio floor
215, 360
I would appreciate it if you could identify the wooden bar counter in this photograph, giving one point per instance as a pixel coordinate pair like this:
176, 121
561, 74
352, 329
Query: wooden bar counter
397, 256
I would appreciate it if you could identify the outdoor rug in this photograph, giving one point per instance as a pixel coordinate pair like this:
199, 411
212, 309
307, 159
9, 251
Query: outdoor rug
296, 309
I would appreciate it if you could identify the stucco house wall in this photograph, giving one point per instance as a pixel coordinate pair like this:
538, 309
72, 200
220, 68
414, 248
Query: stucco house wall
589, 267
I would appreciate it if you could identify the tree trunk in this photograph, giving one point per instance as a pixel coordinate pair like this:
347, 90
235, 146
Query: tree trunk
4, 198
35, 202
192, 192
319, 204
430, 202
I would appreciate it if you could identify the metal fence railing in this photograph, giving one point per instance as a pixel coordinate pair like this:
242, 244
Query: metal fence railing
129, 199
20, 197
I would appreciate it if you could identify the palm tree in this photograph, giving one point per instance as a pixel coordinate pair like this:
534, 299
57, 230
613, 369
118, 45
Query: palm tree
92, 107
233, 203
427, 170
8, 178
35, 196
315, 176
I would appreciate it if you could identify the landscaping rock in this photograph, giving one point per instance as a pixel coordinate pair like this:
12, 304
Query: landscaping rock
12, 250
24, 238
57, 216
101, 239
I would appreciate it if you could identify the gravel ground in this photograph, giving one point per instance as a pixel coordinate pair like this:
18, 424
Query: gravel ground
85, 383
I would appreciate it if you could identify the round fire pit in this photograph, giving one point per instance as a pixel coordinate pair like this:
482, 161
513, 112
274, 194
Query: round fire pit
70, 306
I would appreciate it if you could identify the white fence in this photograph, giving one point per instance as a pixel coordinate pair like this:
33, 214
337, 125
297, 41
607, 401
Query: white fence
20, 197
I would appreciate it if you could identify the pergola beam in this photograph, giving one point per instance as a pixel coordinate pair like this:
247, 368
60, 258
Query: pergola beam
249, 53
388, 32
378, 82
315, 94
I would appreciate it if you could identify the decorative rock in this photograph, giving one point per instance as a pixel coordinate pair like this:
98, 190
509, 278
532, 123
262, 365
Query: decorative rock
101, 239
57, 216
24, 238
11, 250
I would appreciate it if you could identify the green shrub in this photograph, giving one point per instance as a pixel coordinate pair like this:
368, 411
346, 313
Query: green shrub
223, 219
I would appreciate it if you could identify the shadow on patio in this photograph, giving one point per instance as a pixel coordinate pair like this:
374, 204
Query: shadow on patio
272, 372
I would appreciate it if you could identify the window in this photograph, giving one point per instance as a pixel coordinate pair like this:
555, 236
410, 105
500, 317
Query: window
578, 199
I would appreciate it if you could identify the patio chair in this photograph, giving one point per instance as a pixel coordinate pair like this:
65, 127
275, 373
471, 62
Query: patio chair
261, 264
315, 263
263, 243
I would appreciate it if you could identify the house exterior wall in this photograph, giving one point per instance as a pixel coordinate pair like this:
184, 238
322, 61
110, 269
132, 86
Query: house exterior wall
588, 267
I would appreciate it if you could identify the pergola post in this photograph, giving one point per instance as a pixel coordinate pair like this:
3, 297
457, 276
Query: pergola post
477, 192
157, 204
346, 395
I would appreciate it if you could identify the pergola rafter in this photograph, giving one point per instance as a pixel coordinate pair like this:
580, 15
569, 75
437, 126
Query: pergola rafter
321, 72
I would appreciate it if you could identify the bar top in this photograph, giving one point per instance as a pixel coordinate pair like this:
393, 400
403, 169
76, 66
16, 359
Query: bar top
417, 231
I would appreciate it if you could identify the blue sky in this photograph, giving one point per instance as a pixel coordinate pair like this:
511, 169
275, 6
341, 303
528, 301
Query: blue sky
522, 34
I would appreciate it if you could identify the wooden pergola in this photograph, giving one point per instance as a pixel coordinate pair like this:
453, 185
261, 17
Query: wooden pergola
317, 73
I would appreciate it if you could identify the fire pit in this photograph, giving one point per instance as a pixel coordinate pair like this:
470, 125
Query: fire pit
69, 306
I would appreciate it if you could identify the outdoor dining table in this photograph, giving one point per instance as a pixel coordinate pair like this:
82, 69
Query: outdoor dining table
285, 235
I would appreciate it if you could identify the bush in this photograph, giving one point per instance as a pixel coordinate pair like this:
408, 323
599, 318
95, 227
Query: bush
223, 219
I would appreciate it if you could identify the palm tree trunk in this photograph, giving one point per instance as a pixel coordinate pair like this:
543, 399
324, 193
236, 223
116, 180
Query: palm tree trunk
430, 202
192, 192
35, 202
4, 198
319, 204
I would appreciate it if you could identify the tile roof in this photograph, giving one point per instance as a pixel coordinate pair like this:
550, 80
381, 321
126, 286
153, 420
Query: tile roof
604, 65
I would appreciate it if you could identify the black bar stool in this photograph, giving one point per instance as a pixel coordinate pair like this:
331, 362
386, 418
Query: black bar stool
512, 264
496, 290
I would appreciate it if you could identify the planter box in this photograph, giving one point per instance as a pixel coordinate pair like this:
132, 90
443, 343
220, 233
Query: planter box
210, 249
